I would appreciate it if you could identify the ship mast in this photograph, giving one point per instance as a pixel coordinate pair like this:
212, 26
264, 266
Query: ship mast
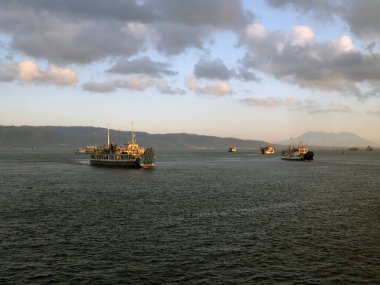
108, 136
133, 135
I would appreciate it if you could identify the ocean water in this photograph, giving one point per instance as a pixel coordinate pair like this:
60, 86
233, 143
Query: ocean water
199, 217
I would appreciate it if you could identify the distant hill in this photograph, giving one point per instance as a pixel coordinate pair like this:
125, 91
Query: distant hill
343, 139
27, 136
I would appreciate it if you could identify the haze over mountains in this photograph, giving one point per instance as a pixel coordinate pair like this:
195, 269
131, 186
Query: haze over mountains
343, 139
50, 136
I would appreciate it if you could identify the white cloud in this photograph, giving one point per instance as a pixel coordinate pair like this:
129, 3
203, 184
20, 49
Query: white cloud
139, 83
61, 75
27, 71
302, 35
256, 31
344, 44
217, 88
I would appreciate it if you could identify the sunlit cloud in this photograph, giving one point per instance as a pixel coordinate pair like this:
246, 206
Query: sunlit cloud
218, 88
28, 72
302, 35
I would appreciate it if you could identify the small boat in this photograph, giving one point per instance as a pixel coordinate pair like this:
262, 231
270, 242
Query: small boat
267, 150
232, 149
297, 153
130, 155
86, 149
353, 148
369, 148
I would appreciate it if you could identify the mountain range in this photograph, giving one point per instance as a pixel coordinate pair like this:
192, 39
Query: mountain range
27, 136
50, 136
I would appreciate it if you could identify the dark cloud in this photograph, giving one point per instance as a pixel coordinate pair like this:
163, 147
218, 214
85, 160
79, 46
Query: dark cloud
86, 9
246, 74
219, 14
215, 69
362, 16
172, 38
298, 59
321, 9
143, 65
85, 31
99, 87
7, 74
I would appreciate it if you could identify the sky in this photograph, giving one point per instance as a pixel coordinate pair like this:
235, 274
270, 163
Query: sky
251, 69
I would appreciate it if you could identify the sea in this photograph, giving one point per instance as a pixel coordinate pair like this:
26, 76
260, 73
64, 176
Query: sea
199, 217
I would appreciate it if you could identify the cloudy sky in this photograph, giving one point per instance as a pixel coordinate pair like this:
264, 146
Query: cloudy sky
253, 69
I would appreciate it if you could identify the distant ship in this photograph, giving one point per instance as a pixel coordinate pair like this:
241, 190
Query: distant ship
353, 148
232, 149
86, 149
297, 153
369, 148
267, 150
130, 155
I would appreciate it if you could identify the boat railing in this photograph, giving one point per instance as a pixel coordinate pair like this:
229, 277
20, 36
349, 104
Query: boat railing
113, 156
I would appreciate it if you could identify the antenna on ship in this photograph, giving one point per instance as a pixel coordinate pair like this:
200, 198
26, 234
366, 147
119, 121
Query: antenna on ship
108, 135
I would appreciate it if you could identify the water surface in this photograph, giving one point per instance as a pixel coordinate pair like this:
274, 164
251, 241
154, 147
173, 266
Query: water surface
199, 217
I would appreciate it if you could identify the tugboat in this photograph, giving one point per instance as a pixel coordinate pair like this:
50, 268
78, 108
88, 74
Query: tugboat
130, 155
297, 153
267, 150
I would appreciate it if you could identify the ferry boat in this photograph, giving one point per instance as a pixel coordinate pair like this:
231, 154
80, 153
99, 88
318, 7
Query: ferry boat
297, 153
130, 155
267, 150
232, 149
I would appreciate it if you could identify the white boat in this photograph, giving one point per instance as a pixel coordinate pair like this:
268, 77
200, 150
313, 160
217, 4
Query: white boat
232, 149
267, 149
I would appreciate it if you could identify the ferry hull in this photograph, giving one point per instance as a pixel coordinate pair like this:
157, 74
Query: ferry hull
306, 157
295, 158
125, 163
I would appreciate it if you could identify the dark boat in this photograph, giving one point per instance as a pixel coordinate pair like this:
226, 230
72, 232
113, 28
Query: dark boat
297, 153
